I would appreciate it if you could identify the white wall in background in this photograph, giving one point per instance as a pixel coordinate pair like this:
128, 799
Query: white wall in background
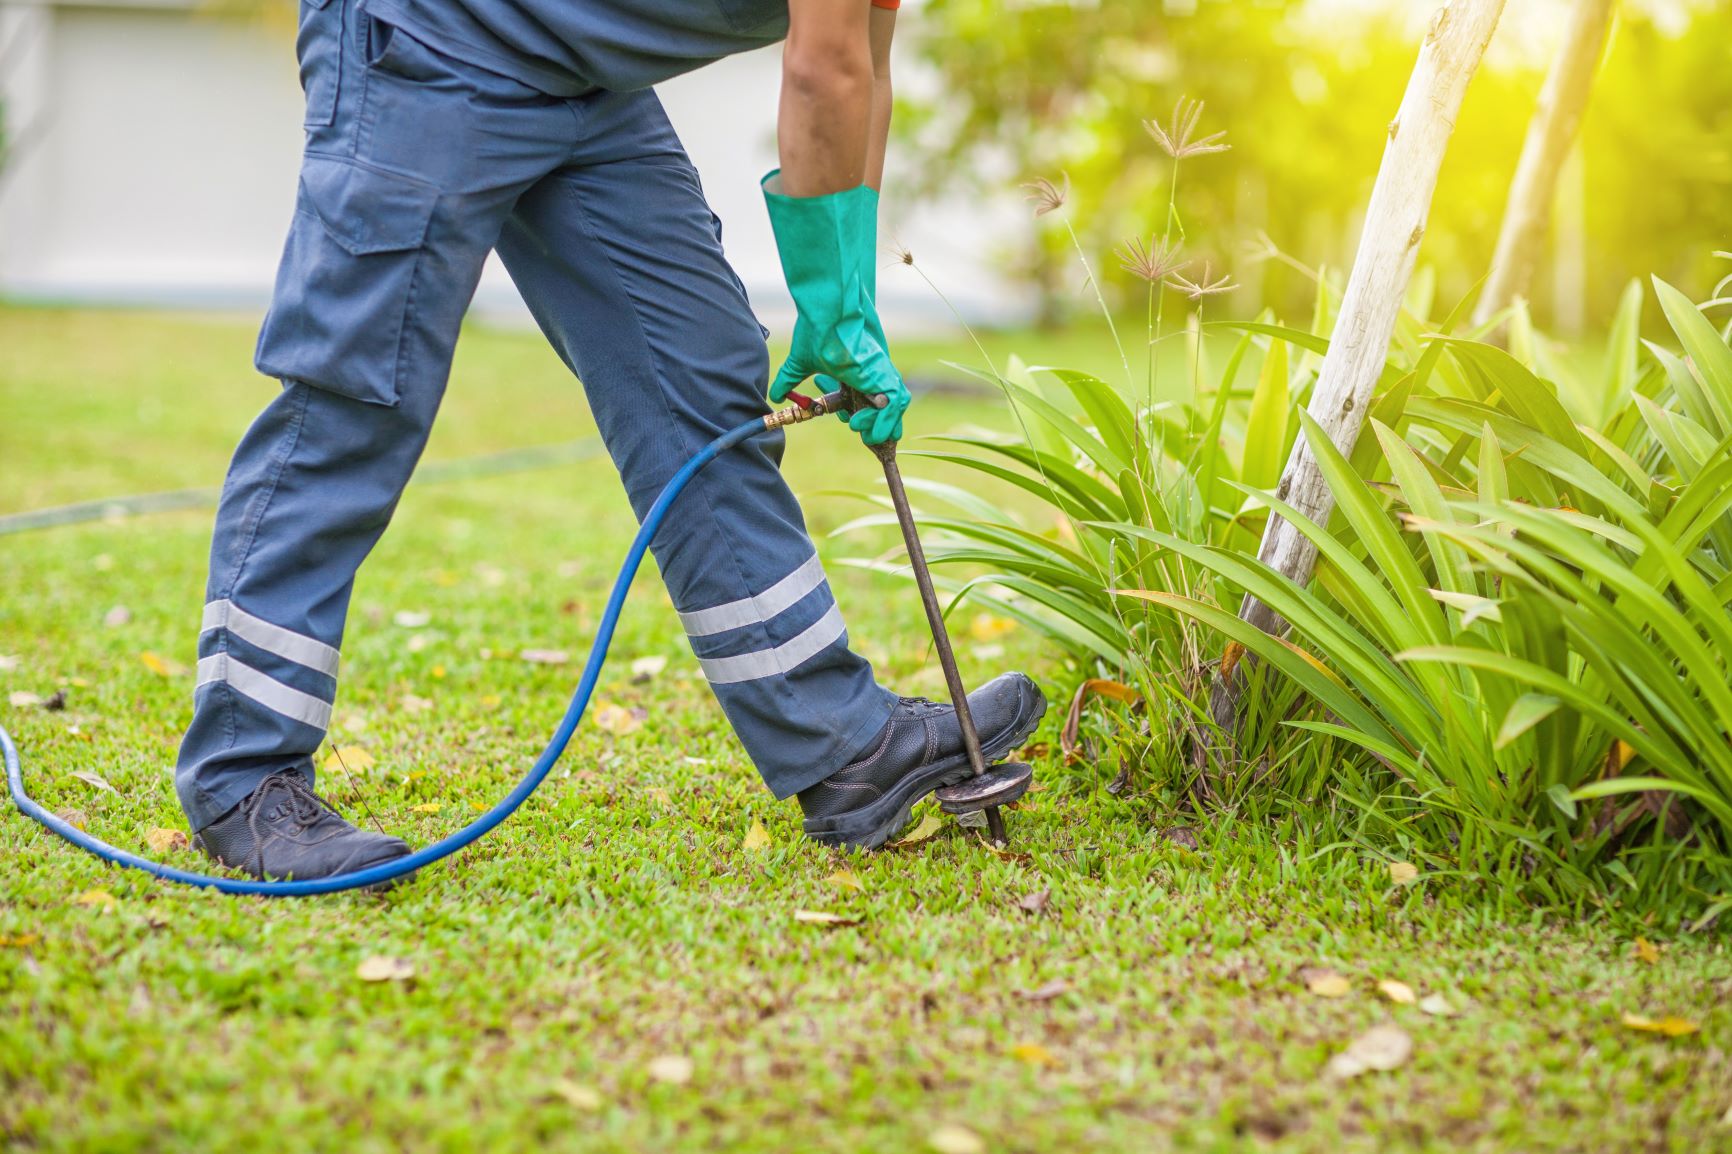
158, 147
157, 156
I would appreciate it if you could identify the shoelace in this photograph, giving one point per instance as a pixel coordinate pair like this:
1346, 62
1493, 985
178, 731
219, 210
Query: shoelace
298, 799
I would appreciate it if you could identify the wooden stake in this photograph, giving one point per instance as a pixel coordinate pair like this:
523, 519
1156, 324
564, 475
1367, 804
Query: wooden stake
1552, 130
1388, 247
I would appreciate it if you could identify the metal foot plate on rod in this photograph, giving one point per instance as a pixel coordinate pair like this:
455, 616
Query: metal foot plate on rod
1000, 785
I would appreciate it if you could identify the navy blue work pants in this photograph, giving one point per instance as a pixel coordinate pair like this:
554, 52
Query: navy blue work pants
417, 165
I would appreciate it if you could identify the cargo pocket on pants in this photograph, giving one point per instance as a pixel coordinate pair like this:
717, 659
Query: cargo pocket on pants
345, 289
319, 50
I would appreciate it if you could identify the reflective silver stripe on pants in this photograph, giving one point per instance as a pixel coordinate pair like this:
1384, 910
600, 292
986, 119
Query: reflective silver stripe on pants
783, 595
264, 689
782, 659
274, 639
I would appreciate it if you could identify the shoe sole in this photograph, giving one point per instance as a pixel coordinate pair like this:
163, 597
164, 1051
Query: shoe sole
872, 826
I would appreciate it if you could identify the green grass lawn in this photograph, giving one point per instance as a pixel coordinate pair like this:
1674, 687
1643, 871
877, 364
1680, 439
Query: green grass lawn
1102, 988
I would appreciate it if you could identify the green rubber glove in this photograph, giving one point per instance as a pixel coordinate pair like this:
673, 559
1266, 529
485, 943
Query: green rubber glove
829, 249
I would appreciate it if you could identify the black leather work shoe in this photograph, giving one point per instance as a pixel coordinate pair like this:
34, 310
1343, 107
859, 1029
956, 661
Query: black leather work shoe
919, 750
285, 830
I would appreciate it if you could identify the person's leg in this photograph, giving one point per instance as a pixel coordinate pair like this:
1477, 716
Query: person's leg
402, 194
620, 260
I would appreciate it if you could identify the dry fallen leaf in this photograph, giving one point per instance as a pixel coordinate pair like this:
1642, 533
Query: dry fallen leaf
985, 626
1403, 872
117, 617
1036, 902
1325, 983
577, 1096
644, 668
756, 838
845, 879
426, 807
674, 1069
380, 968
928, 826
955, 1140
165, 840
1230, 657
19, 941
94, 780
1180, 835
9, 662
409, 703
1033, 1054
1003, 853
1056, 988
1070, 734
23, 699
160, 665
96, 898
411, 618
1397, 991
1436, 1005
544, 656
1647, 951
824, 918
1379, 1048
349, 757
616, 719
1670, 1025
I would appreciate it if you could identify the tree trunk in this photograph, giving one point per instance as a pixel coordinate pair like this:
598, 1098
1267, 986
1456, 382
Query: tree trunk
1388, 247
1551, 132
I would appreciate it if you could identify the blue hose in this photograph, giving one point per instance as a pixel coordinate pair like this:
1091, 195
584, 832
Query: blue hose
481, 826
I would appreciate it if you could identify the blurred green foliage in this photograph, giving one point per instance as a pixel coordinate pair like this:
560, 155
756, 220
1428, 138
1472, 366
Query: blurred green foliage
1305, 90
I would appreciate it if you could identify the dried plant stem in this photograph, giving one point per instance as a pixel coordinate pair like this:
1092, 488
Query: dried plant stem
1100, 297
1159, 298
1157, 305
1009, 398
1101, 575
355, 787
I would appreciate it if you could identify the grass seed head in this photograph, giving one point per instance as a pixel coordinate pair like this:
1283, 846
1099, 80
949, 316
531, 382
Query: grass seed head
1202, 286
1047, 196
1154, 262
1175, 137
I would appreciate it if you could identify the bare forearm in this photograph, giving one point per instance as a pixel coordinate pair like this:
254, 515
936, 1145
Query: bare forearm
829, 99
883, 31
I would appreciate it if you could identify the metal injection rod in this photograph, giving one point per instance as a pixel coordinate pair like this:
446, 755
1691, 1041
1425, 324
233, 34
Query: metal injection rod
940, 635
886, 454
